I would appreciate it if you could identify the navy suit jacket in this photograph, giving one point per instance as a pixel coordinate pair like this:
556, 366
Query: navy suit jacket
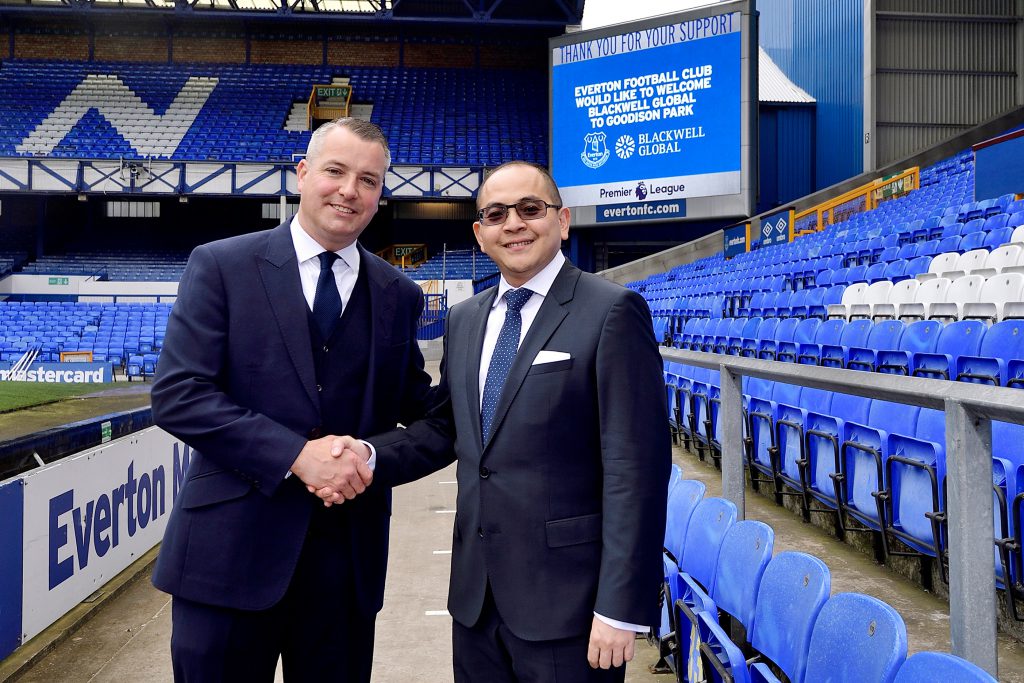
562, 511
236, 382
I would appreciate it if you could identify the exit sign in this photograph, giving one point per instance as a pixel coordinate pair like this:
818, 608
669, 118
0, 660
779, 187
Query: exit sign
59, 281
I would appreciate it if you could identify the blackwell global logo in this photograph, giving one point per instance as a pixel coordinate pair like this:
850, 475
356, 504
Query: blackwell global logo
641, 191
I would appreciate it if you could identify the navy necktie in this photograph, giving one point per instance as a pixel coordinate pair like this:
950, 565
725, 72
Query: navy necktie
504, 353
327, 300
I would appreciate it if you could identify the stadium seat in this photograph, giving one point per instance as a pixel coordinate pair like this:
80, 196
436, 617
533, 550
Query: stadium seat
864, 452
963, 290
1001, 343
919, 337
856, 638
884, 336
996, 292
929, 667
828, 333
854, 294
695, 582
793, 590
962, 338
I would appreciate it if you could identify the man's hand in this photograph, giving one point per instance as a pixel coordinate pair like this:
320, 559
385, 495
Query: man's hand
609, 646
344, 447
344, 473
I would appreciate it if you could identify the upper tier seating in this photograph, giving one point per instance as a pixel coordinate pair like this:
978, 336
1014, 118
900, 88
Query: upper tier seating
109, 110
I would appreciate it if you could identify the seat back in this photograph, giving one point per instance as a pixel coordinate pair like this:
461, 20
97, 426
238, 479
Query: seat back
1001, 288
854, 294
1004, 257
684, 500
745, 553
944, 263
917, 266
933, 291
965, 289
878, 292
903, 292
708, 526
829, 332
973, 240
929, 667
894, 270
972, 260
856, 638
921, 336
793, 590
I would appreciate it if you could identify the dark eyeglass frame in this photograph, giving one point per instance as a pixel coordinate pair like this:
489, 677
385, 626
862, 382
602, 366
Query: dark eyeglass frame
505, 207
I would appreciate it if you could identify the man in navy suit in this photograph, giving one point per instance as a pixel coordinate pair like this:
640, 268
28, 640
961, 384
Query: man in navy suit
277, 340
552, 390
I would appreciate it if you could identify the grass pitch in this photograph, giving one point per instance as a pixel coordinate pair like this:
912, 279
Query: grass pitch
18, 395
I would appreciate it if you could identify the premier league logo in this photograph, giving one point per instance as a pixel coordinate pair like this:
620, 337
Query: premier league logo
641, 191
595, 151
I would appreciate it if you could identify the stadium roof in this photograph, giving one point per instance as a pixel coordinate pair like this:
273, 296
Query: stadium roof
557, 12
775, 86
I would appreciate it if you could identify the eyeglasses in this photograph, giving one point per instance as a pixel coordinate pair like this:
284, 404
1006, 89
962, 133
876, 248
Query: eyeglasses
527, 209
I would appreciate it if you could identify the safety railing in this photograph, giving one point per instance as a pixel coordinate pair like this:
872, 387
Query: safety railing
969, 411
863, 198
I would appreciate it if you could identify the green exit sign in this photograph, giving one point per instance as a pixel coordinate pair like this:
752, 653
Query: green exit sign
340, 91
59, 281
105, 432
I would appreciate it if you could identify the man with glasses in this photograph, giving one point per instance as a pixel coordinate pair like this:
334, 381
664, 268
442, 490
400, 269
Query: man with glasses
553, 395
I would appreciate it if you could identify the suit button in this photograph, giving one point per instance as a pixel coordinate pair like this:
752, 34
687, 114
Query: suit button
319, 387
326, 350
484, 473
480, 531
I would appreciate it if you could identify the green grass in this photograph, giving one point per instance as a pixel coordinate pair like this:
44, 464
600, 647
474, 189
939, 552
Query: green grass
17, 395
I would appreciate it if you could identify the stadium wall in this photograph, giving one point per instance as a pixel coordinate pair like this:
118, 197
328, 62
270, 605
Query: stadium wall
819, 46
939, 68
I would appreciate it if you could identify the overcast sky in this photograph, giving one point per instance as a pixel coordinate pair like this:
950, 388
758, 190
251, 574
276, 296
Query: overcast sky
597, 13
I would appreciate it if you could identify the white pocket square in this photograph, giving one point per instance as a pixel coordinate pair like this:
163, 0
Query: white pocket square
546, 356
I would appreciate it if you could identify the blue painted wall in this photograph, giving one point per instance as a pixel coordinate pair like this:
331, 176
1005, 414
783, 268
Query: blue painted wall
819, 46
785, 154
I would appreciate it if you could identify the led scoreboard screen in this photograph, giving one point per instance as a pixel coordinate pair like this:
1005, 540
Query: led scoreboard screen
649, 112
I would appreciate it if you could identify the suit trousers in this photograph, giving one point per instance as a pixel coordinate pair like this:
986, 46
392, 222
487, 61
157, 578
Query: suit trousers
316, 629
489, 652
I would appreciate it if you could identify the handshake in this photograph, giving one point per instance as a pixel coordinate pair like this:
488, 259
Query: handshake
334, 468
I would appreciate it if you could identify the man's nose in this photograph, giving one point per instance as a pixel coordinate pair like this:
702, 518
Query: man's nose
514, 220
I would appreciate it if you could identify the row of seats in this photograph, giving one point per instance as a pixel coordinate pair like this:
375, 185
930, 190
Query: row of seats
721, 577
430, 116
874, 465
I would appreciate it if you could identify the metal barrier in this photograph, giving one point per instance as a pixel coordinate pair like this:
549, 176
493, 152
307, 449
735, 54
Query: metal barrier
969, 408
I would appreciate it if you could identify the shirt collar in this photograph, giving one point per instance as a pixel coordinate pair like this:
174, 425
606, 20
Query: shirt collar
307, 248
539, 283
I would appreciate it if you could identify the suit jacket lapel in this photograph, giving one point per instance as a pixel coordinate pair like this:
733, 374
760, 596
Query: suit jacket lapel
280, 274
549, 317
475, 338
383, 289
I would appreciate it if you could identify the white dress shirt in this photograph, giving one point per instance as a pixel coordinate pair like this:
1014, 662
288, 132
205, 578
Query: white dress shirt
540, 285
307, 250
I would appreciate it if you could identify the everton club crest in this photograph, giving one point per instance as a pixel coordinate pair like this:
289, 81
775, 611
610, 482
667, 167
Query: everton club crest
595, 150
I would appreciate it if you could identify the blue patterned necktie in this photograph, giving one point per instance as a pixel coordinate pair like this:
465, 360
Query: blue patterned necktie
504, 353
327, 300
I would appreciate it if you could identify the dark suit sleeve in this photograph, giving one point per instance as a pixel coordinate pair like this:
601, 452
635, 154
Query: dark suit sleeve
418, 396
189, 396
636, 456
424, 446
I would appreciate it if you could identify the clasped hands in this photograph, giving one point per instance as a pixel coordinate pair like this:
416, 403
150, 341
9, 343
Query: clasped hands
334, 468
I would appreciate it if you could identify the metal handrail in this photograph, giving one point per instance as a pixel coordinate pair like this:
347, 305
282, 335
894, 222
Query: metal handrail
969, 409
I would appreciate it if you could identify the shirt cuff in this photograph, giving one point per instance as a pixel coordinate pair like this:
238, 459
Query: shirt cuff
622, 625
372, 461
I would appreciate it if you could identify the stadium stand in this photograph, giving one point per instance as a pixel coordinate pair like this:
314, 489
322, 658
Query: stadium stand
106, 110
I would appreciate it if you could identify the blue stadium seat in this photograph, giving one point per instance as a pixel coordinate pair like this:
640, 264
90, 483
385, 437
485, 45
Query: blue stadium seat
695, 582
855, 334
794, 588
915, 474
803, 333
1002, 342
828, 333
884, 336
745, 552
862, 461
921, 336
961, 338
856, 638
929, 667
683, 500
